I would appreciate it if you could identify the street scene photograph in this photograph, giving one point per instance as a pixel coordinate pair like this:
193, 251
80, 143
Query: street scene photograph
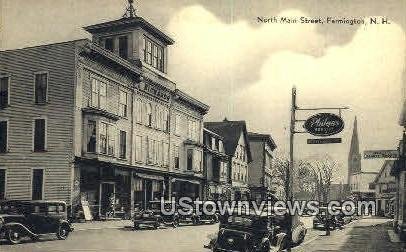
197, 125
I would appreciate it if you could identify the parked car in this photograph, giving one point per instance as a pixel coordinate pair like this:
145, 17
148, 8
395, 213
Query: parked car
19, 219
320, 220
153, 216
299, 230
205, 213
248, 233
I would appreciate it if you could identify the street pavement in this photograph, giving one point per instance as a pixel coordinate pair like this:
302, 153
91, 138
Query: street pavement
364, 235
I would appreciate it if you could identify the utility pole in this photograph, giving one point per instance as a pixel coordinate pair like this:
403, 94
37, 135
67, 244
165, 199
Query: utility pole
289, 193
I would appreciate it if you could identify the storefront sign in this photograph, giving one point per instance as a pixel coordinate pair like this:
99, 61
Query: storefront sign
324, 124
324, 141
155, 91
370, 154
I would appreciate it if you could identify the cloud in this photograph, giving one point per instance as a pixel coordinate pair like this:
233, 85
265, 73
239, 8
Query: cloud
222, 58
246, 72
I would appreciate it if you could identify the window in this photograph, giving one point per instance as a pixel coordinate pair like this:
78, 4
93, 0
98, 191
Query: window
165, 120
138, 148
39, 135
151, 151
153, 54
37, 184
123, 104
41, 88
109, 44
4, 91
99, 94
123, 144
123, 47
91, 136
3, 136
166, 154
178, 119
138, 111
176, 157
103, 138
197, 161
107, 139
149, 115
2, 184
190, 159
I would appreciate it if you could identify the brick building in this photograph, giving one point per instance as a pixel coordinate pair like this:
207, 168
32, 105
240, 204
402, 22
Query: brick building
98, 121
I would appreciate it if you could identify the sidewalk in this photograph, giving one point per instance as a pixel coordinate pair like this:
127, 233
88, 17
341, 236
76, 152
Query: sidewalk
369, 234
95, 225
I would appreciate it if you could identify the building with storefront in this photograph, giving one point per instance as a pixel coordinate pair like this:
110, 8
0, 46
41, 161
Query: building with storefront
99, 122
215, 163
237, 148
263, 179
385, 190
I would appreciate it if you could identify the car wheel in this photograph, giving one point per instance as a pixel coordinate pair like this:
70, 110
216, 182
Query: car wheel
63, 232
14, 235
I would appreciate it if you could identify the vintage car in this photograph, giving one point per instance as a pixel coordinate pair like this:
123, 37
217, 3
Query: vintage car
155, 217
320, 220
200, 212
246, 232
19, 219
280, 220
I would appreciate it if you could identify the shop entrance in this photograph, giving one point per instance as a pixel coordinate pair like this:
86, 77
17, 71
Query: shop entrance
107, 199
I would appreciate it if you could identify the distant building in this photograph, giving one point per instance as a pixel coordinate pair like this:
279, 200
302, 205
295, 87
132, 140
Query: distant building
263, 179
385, 189
238, 150
358, 180
215, 167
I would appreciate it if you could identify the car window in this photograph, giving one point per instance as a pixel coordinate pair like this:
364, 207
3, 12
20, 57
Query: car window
52, 209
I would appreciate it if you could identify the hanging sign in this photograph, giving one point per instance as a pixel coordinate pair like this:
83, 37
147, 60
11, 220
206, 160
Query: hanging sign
371, 154
324, 124
323, 140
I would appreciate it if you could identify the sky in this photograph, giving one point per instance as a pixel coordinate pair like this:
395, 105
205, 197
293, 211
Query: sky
245, 69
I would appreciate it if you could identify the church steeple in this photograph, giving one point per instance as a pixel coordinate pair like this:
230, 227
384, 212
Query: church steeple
354, 156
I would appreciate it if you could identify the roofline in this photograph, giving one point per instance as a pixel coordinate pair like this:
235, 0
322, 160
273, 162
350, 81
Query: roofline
213, 133
382, 168
111, 56
185, 97
48, 44
130, 21
260, 136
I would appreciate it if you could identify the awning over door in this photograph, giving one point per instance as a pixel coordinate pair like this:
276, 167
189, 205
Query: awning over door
186, 180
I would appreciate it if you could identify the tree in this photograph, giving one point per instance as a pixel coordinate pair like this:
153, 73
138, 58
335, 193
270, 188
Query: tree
321, 171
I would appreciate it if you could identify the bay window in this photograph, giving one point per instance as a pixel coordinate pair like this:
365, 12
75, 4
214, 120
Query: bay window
107, 138
99, 94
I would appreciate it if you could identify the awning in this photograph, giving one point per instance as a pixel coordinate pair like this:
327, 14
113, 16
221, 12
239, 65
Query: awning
186, 180
148, 176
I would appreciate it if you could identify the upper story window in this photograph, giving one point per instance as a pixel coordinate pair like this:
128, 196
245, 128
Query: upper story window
107, 139
39, 134
41, 88
99, 94
153, 54
4, 91
3, 136
91, 136
123, 47
176, 157
109, 44
149, 115
123, 144
123, 104
193, 130
178, 119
